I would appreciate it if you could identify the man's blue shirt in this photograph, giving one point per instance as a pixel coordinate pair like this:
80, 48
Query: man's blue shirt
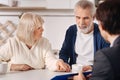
67, 52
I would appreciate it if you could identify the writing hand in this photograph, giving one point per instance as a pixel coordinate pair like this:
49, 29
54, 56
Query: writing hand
62, 66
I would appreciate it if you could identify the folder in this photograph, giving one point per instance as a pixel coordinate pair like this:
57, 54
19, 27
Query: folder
69, 76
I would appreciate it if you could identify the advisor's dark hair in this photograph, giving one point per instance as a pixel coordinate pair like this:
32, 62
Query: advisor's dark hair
108, 13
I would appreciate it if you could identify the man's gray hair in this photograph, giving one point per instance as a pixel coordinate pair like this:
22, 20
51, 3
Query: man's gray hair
84, 4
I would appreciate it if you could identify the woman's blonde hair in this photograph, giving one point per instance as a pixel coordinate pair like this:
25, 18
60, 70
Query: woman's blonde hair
27, 24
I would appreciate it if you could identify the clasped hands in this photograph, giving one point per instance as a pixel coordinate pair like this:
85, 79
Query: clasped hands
20, 67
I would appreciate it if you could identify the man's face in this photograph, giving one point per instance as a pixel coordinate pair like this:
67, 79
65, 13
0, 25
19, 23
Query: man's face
84, 20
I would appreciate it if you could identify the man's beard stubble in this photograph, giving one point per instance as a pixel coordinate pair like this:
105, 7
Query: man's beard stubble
87, 29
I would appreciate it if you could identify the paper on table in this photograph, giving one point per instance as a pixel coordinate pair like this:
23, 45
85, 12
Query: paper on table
64, 77
67, 76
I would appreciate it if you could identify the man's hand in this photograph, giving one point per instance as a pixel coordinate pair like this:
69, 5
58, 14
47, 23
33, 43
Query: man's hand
62, 66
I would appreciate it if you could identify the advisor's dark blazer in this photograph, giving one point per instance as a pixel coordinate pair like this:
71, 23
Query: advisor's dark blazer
107, 63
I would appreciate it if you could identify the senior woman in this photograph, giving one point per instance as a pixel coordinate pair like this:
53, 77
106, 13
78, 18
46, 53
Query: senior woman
28, 49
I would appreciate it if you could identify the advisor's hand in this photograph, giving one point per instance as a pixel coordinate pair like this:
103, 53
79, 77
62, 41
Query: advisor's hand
87, 68
80, 76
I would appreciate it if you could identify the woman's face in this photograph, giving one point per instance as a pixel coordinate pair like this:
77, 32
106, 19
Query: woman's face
38, 32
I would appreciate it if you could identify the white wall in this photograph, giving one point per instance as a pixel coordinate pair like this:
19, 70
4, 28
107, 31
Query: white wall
55, 28
6, 2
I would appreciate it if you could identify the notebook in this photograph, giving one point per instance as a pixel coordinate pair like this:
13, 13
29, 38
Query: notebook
69, 76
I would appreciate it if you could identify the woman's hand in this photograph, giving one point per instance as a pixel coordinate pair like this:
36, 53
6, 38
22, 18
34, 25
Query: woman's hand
20, 67
62, 66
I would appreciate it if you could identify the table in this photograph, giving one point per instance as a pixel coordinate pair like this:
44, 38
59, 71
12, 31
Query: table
31, 75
